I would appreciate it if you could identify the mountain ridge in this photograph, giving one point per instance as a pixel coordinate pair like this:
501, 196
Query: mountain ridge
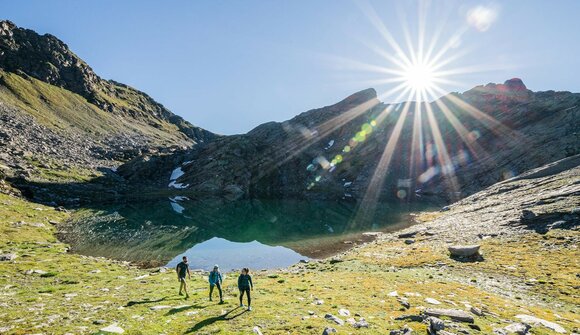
281, 159
451, 147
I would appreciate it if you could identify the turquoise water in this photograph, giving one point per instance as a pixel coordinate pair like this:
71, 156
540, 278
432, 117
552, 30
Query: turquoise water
260, 234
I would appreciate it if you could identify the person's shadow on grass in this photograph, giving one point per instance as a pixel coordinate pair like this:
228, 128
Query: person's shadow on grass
144, 301
180, 309
212, 320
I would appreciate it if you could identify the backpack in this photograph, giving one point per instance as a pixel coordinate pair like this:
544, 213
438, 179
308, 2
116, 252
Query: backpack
213, 277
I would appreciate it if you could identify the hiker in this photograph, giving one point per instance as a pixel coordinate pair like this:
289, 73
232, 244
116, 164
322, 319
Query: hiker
215, 279
245, 285
183, 268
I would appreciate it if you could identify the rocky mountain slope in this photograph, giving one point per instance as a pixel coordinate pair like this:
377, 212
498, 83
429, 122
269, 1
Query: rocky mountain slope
54, 107
360, 146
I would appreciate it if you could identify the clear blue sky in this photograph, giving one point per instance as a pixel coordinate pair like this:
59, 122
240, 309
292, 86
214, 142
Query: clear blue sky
230, 65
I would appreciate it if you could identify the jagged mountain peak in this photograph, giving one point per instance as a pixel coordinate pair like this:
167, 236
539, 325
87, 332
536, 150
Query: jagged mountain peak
515, 84
46, 58
361, 96
6, 27
511, 89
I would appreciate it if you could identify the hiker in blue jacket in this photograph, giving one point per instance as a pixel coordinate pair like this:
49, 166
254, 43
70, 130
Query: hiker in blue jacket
245, 285
215, 279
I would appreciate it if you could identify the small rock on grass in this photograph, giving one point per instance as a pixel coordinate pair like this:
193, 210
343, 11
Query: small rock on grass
362, 323
7, 257
527, 216
371, 233
403, 331
408, 235
404, 302
336, 319
328, 331
5, 329
476, 311
38, 272
435, 324
343, 312
455, 314
535, 321
113, 329
432, 301
443, 332
414, 318
517, 328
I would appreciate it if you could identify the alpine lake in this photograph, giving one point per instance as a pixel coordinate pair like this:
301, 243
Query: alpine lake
259, 234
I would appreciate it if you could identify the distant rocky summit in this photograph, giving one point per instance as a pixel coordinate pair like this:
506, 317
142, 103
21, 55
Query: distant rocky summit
451, 148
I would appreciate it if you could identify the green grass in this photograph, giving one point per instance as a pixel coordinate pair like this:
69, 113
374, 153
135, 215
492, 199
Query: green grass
77, 290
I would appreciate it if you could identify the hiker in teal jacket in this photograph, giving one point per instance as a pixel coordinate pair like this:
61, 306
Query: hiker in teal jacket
215, 279
245, 285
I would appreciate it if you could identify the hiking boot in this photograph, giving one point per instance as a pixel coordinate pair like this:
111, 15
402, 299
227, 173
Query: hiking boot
249, 308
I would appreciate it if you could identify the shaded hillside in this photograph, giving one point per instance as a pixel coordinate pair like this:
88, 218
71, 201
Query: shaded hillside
361, 147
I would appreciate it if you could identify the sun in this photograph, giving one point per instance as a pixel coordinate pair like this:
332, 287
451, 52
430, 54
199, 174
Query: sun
419, 77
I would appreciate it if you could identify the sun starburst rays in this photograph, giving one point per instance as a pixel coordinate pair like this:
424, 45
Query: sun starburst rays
423, 69
417, 73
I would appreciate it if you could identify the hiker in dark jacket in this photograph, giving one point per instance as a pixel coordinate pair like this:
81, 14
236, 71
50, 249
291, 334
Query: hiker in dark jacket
215, 279
245, 285
182, 269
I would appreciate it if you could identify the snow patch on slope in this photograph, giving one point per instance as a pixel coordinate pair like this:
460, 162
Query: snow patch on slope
174, 176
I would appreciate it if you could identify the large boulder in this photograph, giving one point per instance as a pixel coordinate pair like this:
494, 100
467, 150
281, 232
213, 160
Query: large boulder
464, 251
454, 314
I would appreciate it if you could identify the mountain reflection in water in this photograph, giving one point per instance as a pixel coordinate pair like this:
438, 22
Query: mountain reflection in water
236, 255
154, 233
